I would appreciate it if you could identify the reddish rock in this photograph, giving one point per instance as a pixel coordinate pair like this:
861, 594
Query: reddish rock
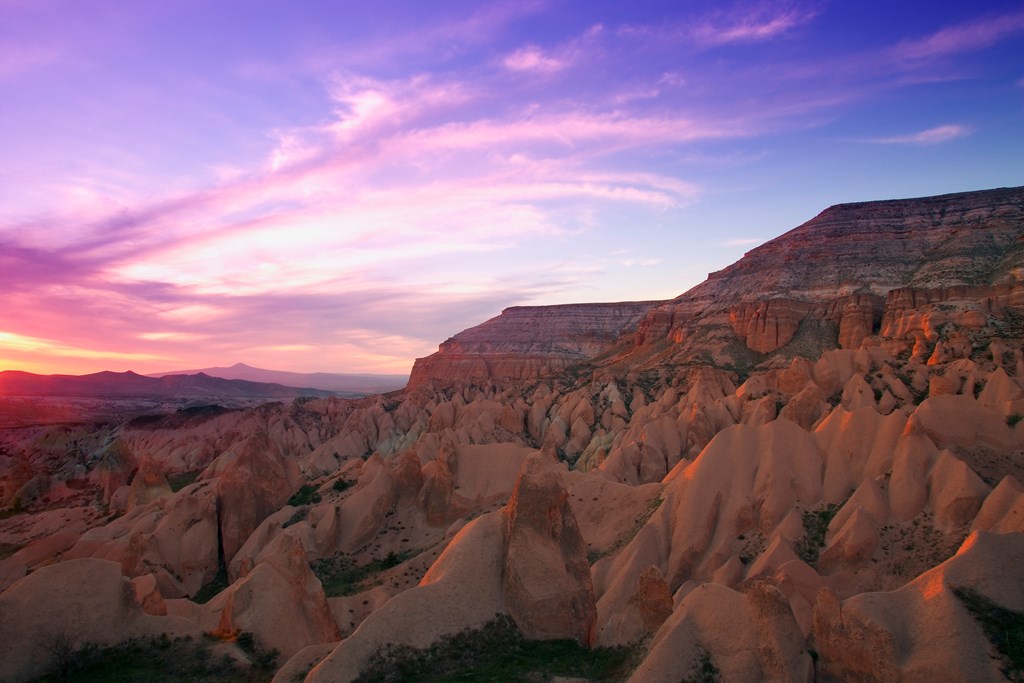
280, 601
148, 484
546, 583
767, 325
526, 342
652, 599
253, 480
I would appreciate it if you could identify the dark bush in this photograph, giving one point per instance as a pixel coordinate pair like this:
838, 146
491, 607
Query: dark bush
496, 652
306, 495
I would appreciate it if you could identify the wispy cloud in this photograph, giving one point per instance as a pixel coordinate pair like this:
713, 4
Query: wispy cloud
763, 21
439, 41
931, 136
973, 35
532, 58
13, 342
736, 25
741, 242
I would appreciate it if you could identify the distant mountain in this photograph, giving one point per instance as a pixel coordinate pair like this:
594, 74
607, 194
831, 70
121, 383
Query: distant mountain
338, 382
108, 384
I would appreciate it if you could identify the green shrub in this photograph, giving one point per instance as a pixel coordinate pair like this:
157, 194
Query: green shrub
306, 495
496, 652
1014, 419
342, 484
297, 517
156, 659
1004, 628
815, 528
179, 481
260, 657
215, 585
8, 549
704, 670
340, 576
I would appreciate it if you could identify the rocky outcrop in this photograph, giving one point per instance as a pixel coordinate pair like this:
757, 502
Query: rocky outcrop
60, 608
965, 239
923, 631
749, 636
836, 269
253, 480
461, 590
819, 286
280, 601
764, 326
546, 582
148, 484
526, 342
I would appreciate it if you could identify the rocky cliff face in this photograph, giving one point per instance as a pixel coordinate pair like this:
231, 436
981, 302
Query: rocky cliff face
527, 342
971, 238
829, 277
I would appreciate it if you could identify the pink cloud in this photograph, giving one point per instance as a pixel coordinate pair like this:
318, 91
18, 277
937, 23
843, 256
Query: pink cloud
440, 41
742, 24
931, 136
532, 58
974, 35
752, 24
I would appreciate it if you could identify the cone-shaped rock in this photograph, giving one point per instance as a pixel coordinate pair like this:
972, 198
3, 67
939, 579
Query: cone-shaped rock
547, 585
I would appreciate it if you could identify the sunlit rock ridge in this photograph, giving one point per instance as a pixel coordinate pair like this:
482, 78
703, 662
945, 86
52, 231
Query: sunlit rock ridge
809, 467
526, 342
842, 272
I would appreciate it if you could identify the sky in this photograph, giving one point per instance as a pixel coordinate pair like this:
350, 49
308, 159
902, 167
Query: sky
340, 186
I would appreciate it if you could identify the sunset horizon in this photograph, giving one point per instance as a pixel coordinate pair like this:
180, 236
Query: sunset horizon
340, 190
511, 340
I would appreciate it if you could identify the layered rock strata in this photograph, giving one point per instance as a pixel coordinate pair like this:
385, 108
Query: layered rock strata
527, 342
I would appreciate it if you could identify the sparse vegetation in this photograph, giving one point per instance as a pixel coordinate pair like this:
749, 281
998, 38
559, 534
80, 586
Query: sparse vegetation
179, 481
156, 660
342, 484
307, 495
1014, 418
815, 527
8, 549
261, 658
1004, 628
297, 517
497, 652
341, 576
16, 508
703, 671
213, 586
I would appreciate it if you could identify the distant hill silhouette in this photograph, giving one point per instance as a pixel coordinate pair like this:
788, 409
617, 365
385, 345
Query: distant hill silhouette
108, 384
345, 383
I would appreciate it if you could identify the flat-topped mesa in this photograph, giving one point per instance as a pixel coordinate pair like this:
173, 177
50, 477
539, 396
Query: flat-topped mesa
839, 267
526, 342
965, 239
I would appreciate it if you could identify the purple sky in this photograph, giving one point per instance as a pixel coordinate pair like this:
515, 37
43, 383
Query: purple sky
340, 186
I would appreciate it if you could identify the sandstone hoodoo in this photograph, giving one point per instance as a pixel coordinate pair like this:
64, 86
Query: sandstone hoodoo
809, 467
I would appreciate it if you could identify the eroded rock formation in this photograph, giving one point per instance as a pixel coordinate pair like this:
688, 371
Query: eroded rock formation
818, 450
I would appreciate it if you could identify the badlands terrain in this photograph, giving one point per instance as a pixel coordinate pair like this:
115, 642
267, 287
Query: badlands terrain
809, 467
